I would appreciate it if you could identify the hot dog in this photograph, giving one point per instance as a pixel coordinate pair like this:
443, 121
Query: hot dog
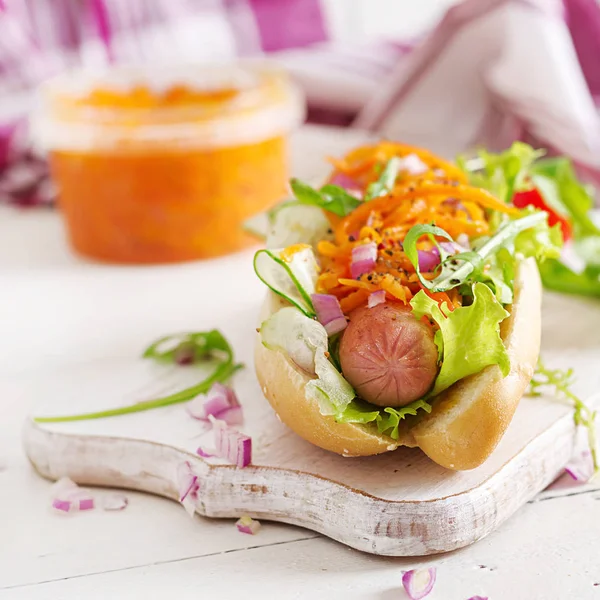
412, 320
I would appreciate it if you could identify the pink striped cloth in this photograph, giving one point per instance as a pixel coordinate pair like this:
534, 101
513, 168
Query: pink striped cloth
496, 71
491, 72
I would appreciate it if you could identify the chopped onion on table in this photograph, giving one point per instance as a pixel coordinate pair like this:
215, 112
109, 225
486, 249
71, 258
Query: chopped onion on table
86, 503
418, 583
248, 525
376, 298
67, 496
64, 505
478, 598
364, 258
581, 467
329, 313
187, 487
231, 444
220, 402
115, 501
204, 454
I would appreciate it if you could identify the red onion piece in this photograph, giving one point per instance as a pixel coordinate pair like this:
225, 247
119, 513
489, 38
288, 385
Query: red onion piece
376, 298
220, 402
215, 403
329, 313
232, 416
115, 501
428, 259
364, 258
86, 503
581, 467
204, 454
336, 326
63, 487
418, 583
412, 164
350, 185
62, 505
478, 598
232, 445
247, 525
187, 482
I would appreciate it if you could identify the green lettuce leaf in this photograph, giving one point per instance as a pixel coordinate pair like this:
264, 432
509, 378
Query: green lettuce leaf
540, 241
560, 278
468, 337
387, 419
501, 174
332, 198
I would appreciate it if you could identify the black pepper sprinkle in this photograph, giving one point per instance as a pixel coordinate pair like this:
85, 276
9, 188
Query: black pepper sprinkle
455, 281
351, 238
389, 252
370, 277
330, 231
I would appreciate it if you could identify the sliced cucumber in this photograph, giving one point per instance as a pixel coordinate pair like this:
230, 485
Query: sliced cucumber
293, 280
258, 226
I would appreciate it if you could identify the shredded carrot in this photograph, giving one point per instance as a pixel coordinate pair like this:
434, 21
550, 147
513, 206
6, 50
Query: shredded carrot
440, 195
354, 300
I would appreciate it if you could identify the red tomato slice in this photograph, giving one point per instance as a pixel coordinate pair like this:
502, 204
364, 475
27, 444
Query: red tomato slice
533, 198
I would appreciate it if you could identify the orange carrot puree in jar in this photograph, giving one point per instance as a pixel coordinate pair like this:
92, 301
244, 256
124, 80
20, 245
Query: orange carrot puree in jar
156, 167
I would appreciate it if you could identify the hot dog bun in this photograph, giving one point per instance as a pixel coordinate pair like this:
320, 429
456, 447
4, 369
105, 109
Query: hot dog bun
467, 421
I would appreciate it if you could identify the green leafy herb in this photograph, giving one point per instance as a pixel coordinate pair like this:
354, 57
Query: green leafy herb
389, 418
208, 347
332, 198
385, 184
468, 338
558, 277
466, 266
562, 381
501, 174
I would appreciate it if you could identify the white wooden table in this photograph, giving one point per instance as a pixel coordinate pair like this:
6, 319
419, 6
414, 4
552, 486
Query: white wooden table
57, 310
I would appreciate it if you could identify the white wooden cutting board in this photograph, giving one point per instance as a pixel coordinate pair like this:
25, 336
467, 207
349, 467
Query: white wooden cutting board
398, 504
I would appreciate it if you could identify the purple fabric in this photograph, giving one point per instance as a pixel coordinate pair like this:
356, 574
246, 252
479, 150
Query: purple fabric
98, 8
288, 23
583, 20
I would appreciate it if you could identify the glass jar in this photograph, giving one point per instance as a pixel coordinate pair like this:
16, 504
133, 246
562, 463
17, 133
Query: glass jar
164, 166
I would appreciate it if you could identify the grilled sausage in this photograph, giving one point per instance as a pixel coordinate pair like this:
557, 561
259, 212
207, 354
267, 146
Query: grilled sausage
388, 356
